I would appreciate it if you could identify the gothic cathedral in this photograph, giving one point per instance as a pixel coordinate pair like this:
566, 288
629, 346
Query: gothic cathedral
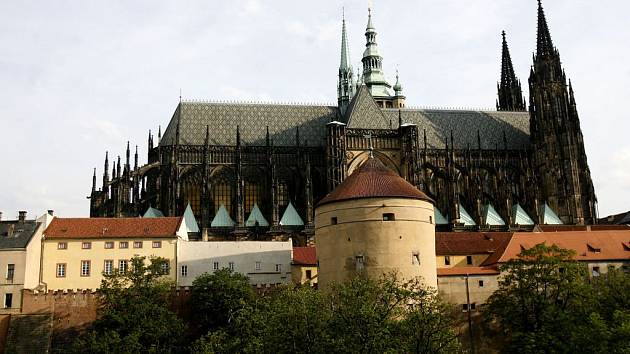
256, 171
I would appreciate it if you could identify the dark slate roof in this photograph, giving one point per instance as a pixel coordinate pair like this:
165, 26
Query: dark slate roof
374, 180
252, 119
21, 235
465, 124
362, 113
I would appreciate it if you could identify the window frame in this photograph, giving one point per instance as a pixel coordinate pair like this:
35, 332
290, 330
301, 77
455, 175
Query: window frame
184, 270
62, 245
278, 267
64, 267
8, 299
156, 244
481, 283
258, 265
120, 263
231, 266
89, 267
215, 265
469, 260
111, 270
125, 243
447, 260
87, 245
10, 271
334, 220
138, 244
110, 244
389, 217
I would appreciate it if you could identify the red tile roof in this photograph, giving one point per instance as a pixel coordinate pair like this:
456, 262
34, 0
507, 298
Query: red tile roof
469, 243
371, 180
611, 245
565, 228
112, 227
305, 256
459, 271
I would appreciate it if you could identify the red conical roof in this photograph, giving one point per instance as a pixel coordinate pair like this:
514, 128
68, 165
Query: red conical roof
374, 180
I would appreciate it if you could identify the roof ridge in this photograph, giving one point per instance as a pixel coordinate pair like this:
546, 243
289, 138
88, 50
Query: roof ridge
451, 108
260, 102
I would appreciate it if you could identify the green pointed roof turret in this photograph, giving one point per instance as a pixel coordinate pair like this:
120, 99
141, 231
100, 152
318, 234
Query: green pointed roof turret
291, 217
222, 218
256, 218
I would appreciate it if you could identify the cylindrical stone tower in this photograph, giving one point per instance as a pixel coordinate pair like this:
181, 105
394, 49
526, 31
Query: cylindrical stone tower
373, 223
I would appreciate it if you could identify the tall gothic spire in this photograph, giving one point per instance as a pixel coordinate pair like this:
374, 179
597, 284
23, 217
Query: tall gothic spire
544, 44
345, 85
509, 89
373, 63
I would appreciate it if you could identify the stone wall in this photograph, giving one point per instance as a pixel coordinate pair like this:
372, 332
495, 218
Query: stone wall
4, 328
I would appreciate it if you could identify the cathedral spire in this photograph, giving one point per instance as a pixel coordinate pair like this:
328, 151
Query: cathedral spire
509, 89
373, 75
345, 85
544, 44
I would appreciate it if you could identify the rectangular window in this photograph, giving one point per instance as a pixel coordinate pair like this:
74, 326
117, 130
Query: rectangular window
184, 271
333, 221
8, 301
469, 260
278, 267
166, 268
61, 270
447, 260
123, 244
430, 220
258, 266
108, 266
231, 265
122, 266
358, 263
10, 271
86, 245
309, 274
157, 244
215, 266
62, 246
473, 307
389, 217
481, 283
415, 258
109, 245
465, 308
137, 244
596, 272
85, 268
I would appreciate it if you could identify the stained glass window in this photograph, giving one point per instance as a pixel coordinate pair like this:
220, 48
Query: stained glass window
222, 195
192, 195
252, 196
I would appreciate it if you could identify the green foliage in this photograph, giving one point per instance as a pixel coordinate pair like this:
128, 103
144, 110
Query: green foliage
547, 304
134, 314
218, 297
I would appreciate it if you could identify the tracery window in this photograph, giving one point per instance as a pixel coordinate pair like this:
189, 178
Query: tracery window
192, 195
222, 195
252, 195
283, 194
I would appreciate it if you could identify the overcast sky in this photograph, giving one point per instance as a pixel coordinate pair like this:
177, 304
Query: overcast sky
81, 77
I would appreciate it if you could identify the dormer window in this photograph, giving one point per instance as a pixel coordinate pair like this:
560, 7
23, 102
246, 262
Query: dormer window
594, 249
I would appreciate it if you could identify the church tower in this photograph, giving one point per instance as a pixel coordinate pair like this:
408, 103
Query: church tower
560, 164
345, 86
373, 75
510, 92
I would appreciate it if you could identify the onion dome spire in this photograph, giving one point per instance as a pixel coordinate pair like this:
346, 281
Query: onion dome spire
398, 87
509, 89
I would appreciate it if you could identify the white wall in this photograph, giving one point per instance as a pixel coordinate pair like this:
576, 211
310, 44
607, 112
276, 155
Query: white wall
199, 257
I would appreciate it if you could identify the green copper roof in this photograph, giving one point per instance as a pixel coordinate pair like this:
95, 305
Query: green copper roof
256, 218
291, 217
153, 213
191, 222
549, 216
520, 217
222, 218
439, 218
491, 217
465, 217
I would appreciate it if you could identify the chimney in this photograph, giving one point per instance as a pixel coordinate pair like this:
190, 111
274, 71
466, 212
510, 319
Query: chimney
22, 216
51, 212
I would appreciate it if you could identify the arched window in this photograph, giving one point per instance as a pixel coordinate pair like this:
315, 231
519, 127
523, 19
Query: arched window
283, 194
192, 195
252, 195
222, 195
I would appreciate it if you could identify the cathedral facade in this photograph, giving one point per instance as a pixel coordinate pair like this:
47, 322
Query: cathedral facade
258, 170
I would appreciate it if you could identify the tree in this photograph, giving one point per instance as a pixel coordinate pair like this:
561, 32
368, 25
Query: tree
218, 297
134, 315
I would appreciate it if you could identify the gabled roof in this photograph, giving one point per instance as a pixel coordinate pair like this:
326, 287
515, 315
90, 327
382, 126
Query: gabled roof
520, 217
470, 243
364, 113
256, 218
79, 228
15, 234
491, 217
465, 217
191, 222
291, 217
610, 244
374, 180
153, 213
305, 256
222, 118
439, 218
222, 218
549, 216
459, 271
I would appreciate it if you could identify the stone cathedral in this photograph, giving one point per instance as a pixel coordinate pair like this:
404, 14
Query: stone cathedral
256, 171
